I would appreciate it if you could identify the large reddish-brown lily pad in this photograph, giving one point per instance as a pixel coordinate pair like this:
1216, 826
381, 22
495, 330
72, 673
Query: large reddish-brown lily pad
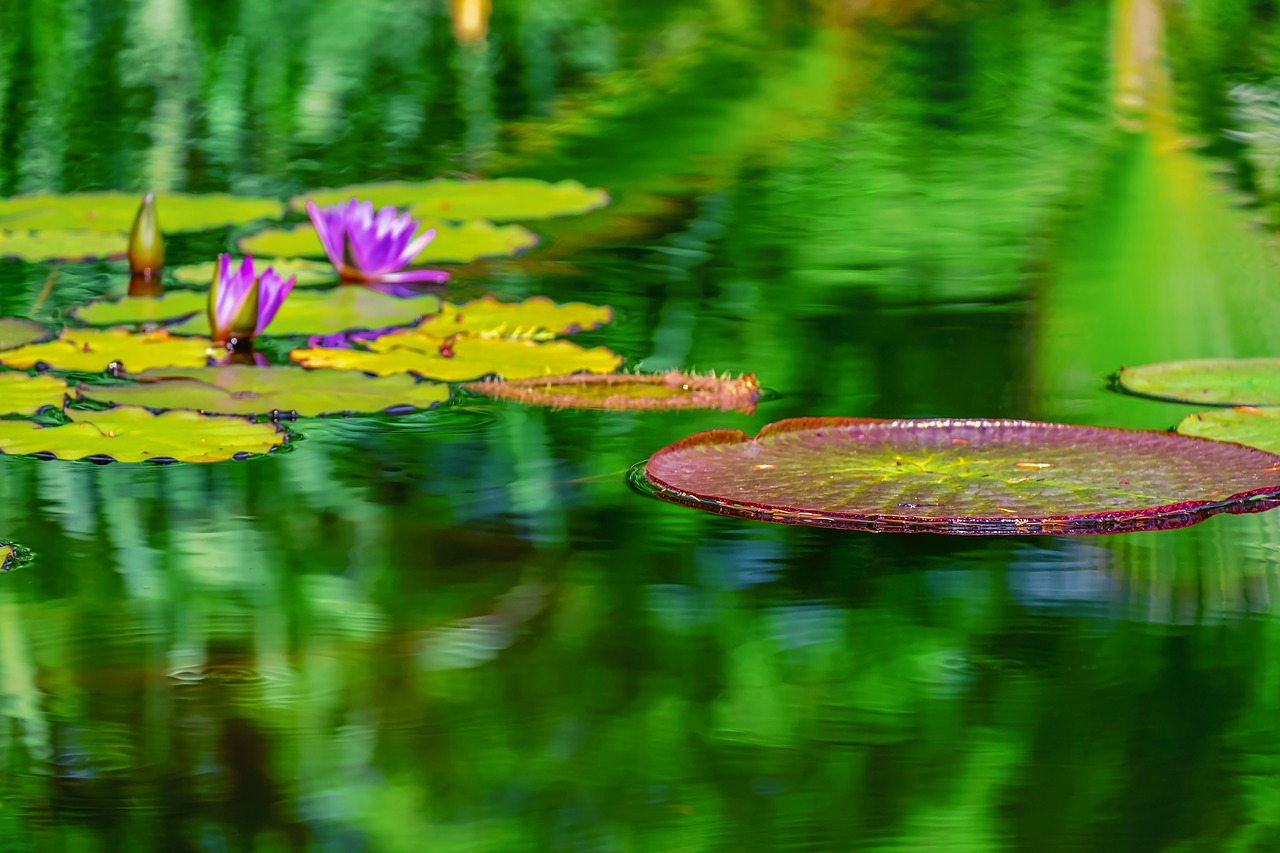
964, 476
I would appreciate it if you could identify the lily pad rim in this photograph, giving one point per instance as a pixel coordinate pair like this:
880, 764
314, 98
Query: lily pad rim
1112, 521
1115, 382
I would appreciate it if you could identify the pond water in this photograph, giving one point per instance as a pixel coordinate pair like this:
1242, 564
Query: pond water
464, 630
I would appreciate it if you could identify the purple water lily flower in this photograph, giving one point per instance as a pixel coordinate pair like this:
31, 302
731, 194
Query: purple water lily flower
241, 304
368, 246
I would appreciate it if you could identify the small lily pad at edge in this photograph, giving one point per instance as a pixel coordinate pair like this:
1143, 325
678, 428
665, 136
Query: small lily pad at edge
131, 434
16, 332
21, 394
1208, 381
1245, 425
115, 211
60, 245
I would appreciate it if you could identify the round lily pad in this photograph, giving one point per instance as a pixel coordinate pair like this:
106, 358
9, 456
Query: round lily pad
16, 332
628, 391
1245, 425
503, 199
132, 434
242, 390
964, 476
1212, 381
130, 310
338, 310
536, 317
457, 243
468, 358
22, 394
305, 273
96, 350
62, 245
114, 211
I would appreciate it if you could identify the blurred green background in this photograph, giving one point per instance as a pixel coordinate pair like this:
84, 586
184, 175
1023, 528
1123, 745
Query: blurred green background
463, 631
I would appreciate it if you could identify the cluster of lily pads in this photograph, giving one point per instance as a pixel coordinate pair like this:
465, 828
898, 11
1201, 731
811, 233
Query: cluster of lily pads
172, 372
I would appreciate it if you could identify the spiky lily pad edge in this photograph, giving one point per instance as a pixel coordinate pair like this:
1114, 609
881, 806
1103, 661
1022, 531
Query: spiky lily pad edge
704, 391
1163, 517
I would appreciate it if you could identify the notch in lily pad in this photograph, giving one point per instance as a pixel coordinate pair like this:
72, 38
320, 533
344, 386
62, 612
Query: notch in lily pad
628, 391
133, 434
272, 391
963, 476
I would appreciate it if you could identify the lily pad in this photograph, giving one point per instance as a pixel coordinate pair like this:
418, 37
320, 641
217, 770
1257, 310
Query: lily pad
503, 199
338, 310
130, 310
468, 358
62, 245
628, 391
114, 211
21, 394
537, 318
16, 332
96, 350
241, 390
1213, 381
458, 243
131, 434
1245, 425
964, 476
306, 273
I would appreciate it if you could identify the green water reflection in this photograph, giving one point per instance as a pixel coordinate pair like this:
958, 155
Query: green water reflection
462, 630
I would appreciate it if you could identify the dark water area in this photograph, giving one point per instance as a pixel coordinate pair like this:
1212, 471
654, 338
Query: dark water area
464, 630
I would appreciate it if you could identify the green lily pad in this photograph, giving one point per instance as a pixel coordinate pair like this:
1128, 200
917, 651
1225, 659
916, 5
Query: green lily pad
537, 318
16, 332
457, 243
1245, 425
332, 311
62, 245
503, 199
131, 310
21, 394
628, 391
114, 211
131, 434
242, 390
964, 476
468, 358
95, 350
306, 273
1212, 381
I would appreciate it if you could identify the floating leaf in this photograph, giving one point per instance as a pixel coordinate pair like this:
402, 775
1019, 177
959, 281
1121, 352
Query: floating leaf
1214, 381
242, 390
114, 211
306, 273
673, 390
21, 394
337, 310
458, 243
62, 245
964, 476
503, 199
537, 318
1245, 425
95, 350
16, 332
132, 434
131, 310
469, 358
